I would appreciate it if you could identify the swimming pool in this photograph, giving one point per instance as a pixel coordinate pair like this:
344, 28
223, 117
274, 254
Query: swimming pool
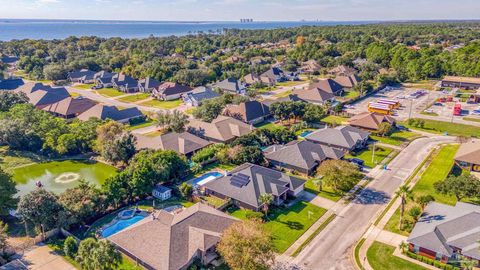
305, 133
120, 225
202, 180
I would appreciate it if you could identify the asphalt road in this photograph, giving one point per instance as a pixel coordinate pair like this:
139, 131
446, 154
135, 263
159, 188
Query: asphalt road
331, 249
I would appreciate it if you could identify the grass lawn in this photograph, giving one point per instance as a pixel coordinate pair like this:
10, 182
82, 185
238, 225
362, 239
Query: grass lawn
135, 98
84, 86
350, 95
190, 111
327, 192
452, 128
268, 125
11, 159
162, 104
380, 256
471, 119
288, 224
333, 119
290, 83
283, 94
397, 138
110, 92
366, 155
424, 84
155, 133
438, 170
214, 201
147, 123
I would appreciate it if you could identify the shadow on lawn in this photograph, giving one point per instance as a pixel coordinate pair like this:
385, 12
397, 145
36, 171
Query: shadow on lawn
294, 225
371, 196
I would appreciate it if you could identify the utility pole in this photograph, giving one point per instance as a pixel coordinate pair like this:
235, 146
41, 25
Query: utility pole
373, 153
411, 106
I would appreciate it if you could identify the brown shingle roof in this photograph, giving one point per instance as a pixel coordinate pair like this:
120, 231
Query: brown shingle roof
223, 128
70, 106
316, 95
247, 111
41, 95
182, 143
473, 80
368, 120
327, 85
469, 152
103, 112
347, 81
169, 241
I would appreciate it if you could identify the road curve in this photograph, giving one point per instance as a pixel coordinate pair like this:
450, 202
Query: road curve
331, 249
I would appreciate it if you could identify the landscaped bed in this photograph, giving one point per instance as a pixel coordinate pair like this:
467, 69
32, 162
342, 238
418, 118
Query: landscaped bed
381, 153
288, 224
162, 104
438, 170
380, 256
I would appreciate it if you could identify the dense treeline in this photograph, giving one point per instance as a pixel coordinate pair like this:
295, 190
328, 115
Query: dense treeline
208, 57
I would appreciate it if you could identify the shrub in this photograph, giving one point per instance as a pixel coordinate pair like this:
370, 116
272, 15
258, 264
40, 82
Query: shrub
207, 153
254, 215
70, 247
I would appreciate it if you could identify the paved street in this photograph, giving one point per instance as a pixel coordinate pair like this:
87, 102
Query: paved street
331, 249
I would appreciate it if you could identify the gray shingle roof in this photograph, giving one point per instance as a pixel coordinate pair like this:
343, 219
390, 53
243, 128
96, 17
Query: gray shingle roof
442, 227
341, 136
70, 106
169, 241
11, 84
222, 128
170, 88
201, 93
247, 111
183, 143
469, 152
149, 83
262, 180
103, 112
83, 74
124, 80
230, 85
303, 154
41, 95
327, 85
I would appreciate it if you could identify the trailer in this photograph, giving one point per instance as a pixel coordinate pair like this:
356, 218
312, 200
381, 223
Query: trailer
380, 108
395, 104
457, 109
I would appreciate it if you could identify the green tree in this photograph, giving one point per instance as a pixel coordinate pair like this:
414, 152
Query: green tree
8, 201
3, 237
70, 247
339, 174
186, 190
83, 202
209, 110
461, 186
384, 129
266, 199
415, 213
114, 143
98, 255
313, 113
318, 182
42, 209
247, 245
174, 121
404, 193
8, 99
424, 200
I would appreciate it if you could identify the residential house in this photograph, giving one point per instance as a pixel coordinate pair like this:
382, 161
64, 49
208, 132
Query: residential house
230, 85
16, 264
222, 129
346, 138
468, 155
11, 83
147, 85
170, 241
342, 71
104, 79
198, 95
310, 66
251, 79
370, 121
41, 95
162, 192
124, 83
170, 91
312, 95
328, 85
183, 143
104, 112
446, 232
300, 156
347, 81
9, 60
469, 83
274, 74
81, 76
250, 112
70, 107
246, 183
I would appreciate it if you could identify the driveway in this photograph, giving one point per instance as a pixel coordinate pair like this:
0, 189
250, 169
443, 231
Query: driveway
44, 258
331, 249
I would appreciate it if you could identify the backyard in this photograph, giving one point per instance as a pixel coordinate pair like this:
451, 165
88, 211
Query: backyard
287, 224
454, 129
380, 256
438, 170
397, 138
381, 153
162, 104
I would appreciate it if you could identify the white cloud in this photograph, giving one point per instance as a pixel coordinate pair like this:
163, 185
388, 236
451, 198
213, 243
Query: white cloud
48, 1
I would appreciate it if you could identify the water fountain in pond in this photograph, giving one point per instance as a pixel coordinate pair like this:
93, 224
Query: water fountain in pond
66, 178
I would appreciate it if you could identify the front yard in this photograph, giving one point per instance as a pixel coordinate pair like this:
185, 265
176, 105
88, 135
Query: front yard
381, 153
397, 138
287, 224
135, 98
162, 104
380, 257
147, 123
110, 92
327, 192
84, 86
438, 170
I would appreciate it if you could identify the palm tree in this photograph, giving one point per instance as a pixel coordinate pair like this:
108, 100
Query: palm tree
318, 182
403, 246
266, 199
404, 193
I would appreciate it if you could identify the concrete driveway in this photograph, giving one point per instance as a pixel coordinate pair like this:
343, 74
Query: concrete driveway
44, 258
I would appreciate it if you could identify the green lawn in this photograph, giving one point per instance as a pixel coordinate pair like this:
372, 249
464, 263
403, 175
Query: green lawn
471, 119
366, 155
350, 95
162, 104
288, 224
268, 125
85, 86
290, 83
327, 192
397, 138
380, 257
110, 92
135, 98
283, 94
214, 201
147, 123
452, 128
332, 119
11, 159
438, 170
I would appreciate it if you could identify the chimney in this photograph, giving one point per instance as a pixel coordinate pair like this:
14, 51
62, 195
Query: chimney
181, 145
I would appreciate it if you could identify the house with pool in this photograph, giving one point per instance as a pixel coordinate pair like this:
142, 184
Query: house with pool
171, 241
246, 183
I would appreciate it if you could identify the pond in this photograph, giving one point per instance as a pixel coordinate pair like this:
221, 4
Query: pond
57, 176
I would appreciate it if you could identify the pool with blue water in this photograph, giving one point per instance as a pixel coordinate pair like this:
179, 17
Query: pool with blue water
305, 133
120, 225
205, 178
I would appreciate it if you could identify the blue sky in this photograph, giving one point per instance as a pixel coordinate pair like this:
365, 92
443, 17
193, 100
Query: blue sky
188, 10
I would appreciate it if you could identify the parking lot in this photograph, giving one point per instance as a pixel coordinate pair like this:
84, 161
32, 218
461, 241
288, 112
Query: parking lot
445, 110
